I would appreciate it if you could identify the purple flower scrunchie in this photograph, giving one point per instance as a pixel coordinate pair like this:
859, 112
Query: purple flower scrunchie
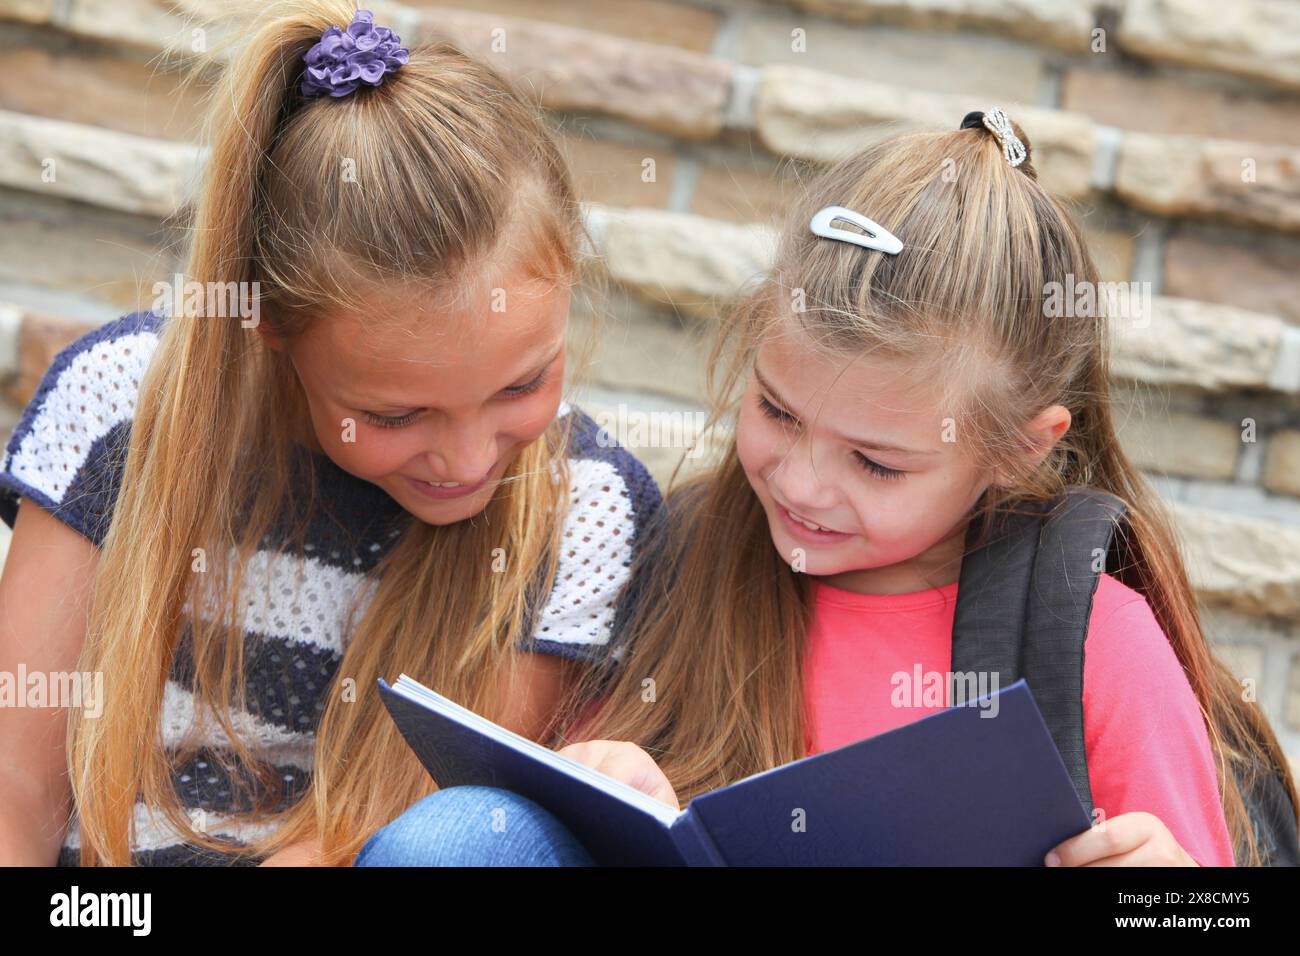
342, 60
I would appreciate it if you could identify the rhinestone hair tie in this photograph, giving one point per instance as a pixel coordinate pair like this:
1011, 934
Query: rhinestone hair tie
999, 125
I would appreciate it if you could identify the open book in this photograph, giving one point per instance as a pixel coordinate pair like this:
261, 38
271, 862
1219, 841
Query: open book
977, 785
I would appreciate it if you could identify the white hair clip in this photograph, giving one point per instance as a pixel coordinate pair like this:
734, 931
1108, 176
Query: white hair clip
1000, 125
873, 235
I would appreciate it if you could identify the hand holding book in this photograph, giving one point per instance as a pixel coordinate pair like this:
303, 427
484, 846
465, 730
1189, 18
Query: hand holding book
625, 762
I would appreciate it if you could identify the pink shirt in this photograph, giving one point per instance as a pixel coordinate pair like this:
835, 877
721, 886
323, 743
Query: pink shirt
1147, 745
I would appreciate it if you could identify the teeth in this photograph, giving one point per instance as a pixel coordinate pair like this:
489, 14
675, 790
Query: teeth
444, 484
806, 524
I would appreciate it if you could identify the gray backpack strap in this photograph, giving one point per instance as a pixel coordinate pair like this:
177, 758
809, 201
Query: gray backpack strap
1023, 603
1076, 539
992, 598
1272, 816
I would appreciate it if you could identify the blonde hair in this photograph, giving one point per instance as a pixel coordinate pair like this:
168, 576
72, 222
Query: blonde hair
453, 162
721, 620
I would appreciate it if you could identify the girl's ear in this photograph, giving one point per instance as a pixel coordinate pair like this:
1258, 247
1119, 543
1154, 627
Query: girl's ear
271, 340
1048, 427
1043, 432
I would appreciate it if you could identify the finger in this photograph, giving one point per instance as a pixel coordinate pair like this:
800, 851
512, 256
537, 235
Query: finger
1135, 857
640, 769
632, 765
625, 762
1152, 852
663, 791
589, 753
1120, 835
610, 757
580, 751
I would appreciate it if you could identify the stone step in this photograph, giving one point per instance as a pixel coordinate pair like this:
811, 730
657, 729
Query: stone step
697, 266
102, 167
820, 117
1244, 564
1260, 40
801, 113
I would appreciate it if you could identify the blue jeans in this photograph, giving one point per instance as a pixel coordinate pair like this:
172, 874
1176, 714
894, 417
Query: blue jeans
474, 826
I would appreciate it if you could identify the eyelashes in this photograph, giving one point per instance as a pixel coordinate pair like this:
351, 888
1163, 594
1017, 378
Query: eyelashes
530, 387
771, 411
386, 421
877, 469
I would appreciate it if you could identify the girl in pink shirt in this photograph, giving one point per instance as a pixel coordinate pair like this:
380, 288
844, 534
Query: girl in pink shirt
929, 349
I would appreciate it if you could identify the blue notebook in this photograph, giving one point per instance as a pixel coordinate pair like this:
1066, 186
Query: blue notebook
954, 788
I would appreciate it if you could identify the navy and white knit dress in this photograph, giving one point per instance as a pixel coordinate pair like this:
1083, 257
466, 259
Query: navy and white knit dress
59, 456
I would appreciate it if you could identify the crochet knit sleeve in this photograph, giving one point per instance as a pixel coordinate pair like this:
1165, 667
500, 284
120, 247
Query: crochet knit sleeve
612, 498
67, 451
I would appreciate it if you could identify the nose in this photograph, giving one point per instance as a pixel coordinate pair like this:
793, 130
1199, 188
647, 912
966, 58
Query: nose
800, 482
462, 451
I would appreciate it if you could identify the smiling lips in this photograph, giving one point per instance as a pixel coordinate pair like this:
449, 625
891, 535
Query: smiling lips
448, 489
805, 522
806, 530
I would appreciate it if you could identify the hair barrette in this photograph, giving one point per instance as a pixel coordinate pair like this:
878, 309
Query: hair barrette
873, 235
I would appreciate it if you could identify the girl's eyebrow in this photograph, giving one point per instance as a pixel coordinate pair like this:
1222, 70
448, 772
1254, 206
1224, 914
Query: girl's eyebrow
532, 374
538, 370
860, 442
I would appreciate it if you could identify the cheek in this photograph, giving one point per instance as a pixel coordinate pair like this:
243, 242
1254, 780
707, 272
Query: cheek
753, 448
375, 452
915, 508
338, 432
884, 519
524, 420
